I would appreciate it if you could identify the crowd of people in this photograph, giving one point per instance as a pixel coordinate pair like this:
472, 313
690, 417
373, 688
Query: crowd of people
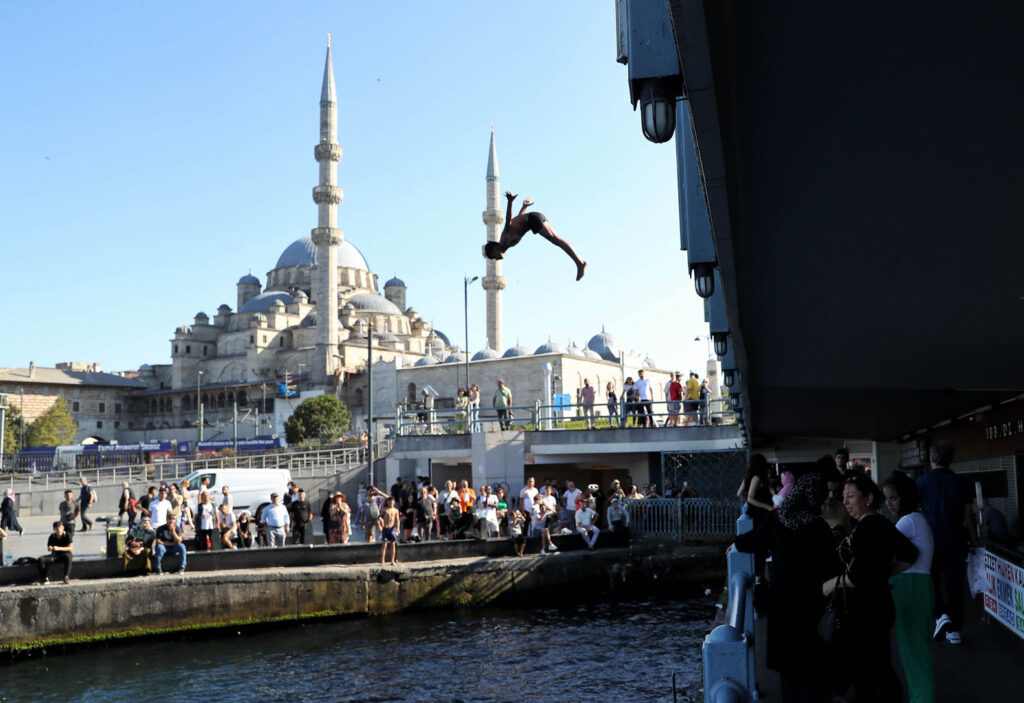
687, 403
890, 557
416, 510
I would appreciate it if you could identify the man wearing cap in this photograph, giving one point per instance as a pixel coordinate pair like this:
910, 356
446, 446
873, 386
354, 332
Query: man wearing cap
275, 518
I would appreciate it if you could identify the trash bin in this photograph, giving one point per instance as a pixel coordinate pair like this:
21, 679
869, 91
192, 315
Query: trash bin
116, 537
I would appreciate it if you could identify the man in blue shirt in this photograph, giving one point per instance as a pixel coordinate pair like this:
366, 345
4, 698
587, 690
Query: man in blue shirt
946, 503
277, 521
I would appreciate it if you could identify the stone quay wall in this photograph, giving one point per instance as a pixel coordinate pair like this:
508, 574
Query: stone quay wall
53, 617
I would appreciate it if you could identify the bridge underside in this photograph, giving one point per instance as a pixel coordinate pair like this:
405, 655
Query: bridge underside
864, 180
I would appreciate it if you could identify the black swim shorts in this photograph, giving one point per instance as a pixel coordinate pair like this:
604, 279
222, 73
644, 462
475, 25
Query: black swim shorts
535, 222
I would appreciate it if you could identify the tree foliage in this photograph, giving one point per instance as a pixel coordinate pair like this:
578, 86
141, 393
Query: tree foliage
12, 431
323, 417
55, 426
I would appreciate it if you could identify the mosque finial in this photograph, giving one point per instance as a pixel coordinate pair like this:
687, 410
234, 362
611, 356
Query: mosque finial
492, 126
328, 40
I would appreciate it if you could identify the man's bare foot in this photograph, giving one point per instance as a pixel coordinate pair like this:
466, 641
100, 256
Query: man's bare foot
580, 268
382, 563
394, 563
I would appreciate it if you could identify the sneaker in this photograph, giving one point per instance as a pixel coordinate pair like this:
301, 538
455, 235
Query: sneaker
181, 571
940, 625
44, 582
67, 580
553, 547
543, 553
158, 572
953, 637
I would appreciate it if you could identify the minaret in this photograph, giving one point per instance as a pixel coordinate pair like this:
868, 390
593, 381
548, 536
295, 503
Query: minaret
493, 282
326, 236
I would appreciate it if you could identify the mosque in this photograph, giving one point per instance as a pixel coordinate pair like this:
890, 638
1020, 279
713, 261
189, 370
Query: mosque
314, 323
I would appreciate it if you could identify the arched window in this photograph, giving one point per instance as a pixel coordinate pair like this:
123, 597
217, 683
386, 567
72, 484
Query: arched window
186, 403
358, 397
410, 393
243, 399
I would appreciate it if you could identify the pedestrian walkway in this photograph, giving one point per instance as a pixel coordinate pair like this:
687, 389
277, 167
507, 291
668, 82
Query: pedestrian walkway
987, 666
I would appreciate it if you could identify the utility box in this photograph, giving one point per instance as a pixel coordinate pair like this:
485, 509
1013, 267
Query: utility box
116, 537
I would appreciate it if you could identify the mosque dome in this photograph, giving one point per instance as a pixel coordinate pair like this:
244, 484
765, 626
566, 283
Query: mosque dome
484, 354
606, 346
386, 337
263, 301
444, 337
517, 350
249, 278
550, 347
573, 350
457, 357
591, 354
396, 281
426, 361
145, 368
309, 320
302, 252
372, 302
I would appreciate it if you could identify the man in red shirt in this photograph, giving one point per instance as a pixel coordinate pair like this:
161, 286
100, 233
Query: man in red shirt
675, 400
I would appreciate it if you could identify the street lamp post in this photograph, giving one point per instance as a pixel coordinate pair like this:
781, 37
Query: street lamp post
199, 404
369, 401
465, 302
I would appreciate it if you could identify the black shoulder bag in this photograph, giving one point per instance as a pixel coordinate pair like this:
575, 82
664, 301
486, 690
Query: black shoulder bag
830, 626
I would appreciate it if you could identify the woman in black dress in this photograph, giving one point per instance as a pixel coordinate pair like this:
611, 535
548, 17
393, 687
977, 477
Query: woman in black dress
754, 490
517, 227
801, 546
872, 552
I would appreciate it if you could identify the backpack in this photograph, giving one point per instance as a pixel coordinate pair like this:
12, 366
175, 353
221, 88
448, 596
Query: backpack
372, 509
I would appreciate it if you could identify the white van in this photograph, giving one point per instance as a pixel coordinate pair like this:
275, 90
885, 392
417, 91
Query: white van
250, 488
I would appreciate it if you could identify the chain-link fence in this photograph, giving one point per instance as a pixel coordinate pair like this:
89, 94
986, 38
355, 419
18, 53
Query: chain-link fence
715, 474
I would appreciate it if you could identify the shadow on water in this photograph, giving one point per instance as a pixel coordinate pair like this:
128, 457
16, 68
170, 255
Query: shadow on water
609, 650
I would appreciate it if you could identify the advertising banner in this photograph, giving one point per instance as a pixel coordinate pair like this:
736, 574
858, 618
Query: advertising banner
1004, 597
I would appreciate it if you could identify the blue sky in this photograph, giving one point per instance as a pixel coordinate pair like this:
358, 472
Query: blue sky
151, 153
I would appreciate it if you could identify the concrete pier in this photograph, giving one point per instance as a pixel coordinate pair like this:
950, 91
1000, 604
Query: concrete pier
41, 617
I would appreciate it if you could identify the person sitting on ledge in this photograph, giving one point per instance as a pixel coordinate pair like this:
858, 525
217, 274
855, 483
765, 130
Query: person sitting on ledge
517, 227
138, 548
60, 547
168, 540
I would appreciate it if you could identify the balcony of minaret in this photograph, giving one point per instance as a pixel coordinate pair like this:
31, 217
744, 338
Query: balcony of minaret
331, 236
493, 217
493, 282
325, 151
332, 195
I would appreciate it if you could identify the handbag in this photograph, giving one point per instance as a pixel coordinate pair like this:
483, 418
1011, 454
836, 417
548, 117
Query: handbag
830, 625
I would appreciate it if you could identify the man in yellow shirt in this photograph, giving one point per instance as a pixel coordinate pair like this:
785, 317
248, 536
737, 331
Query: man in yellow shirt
692, 398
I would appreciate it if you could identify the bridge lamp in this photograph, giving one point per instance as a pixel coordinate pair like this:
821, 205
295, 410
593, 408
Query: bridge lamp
729, 376
721, 340
658, 109
704, 279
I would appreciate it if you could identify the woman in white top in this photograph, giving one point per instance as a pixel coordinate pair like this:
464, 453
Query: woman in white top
912, 589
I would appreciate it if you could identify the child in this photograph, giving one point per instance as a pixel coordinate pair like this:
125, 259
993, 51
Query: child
515, 531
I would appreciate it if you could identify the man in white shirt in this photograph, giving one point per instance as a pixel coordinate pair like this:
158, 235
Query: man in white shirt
159, 508
528, 495
275, 517
571, 495
227, 499
646, 396
586, 525
487, 511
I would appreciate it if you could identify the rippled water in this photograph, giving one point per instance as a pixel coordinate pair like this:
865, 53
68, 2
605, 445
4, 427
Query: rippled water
605, 652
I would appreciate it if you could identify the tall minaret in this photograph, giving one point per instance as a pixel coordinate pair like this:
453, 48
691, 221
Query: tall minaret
326, 236
493, 282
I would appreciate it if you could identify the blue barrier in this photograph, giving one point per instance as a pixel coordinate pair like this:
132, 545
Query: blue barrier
728, 650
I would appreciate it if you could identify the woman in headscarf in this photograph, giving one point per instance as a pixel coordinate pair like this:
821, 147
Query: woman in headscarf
801, 546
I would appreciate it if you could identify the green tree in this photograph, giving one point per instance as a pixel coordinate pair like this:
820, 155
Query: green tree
323, 417
55, 426
12, 430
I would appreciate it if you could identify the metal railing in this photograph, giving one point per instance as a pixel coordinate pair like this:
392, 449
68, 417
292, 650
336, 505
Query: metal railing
728, 650
679, 519
301, 464
449, 421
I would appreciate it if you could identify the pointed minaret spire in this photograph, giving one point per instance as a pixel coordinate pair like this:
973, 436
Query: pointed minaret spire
493, 282
327, 236
327, 93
